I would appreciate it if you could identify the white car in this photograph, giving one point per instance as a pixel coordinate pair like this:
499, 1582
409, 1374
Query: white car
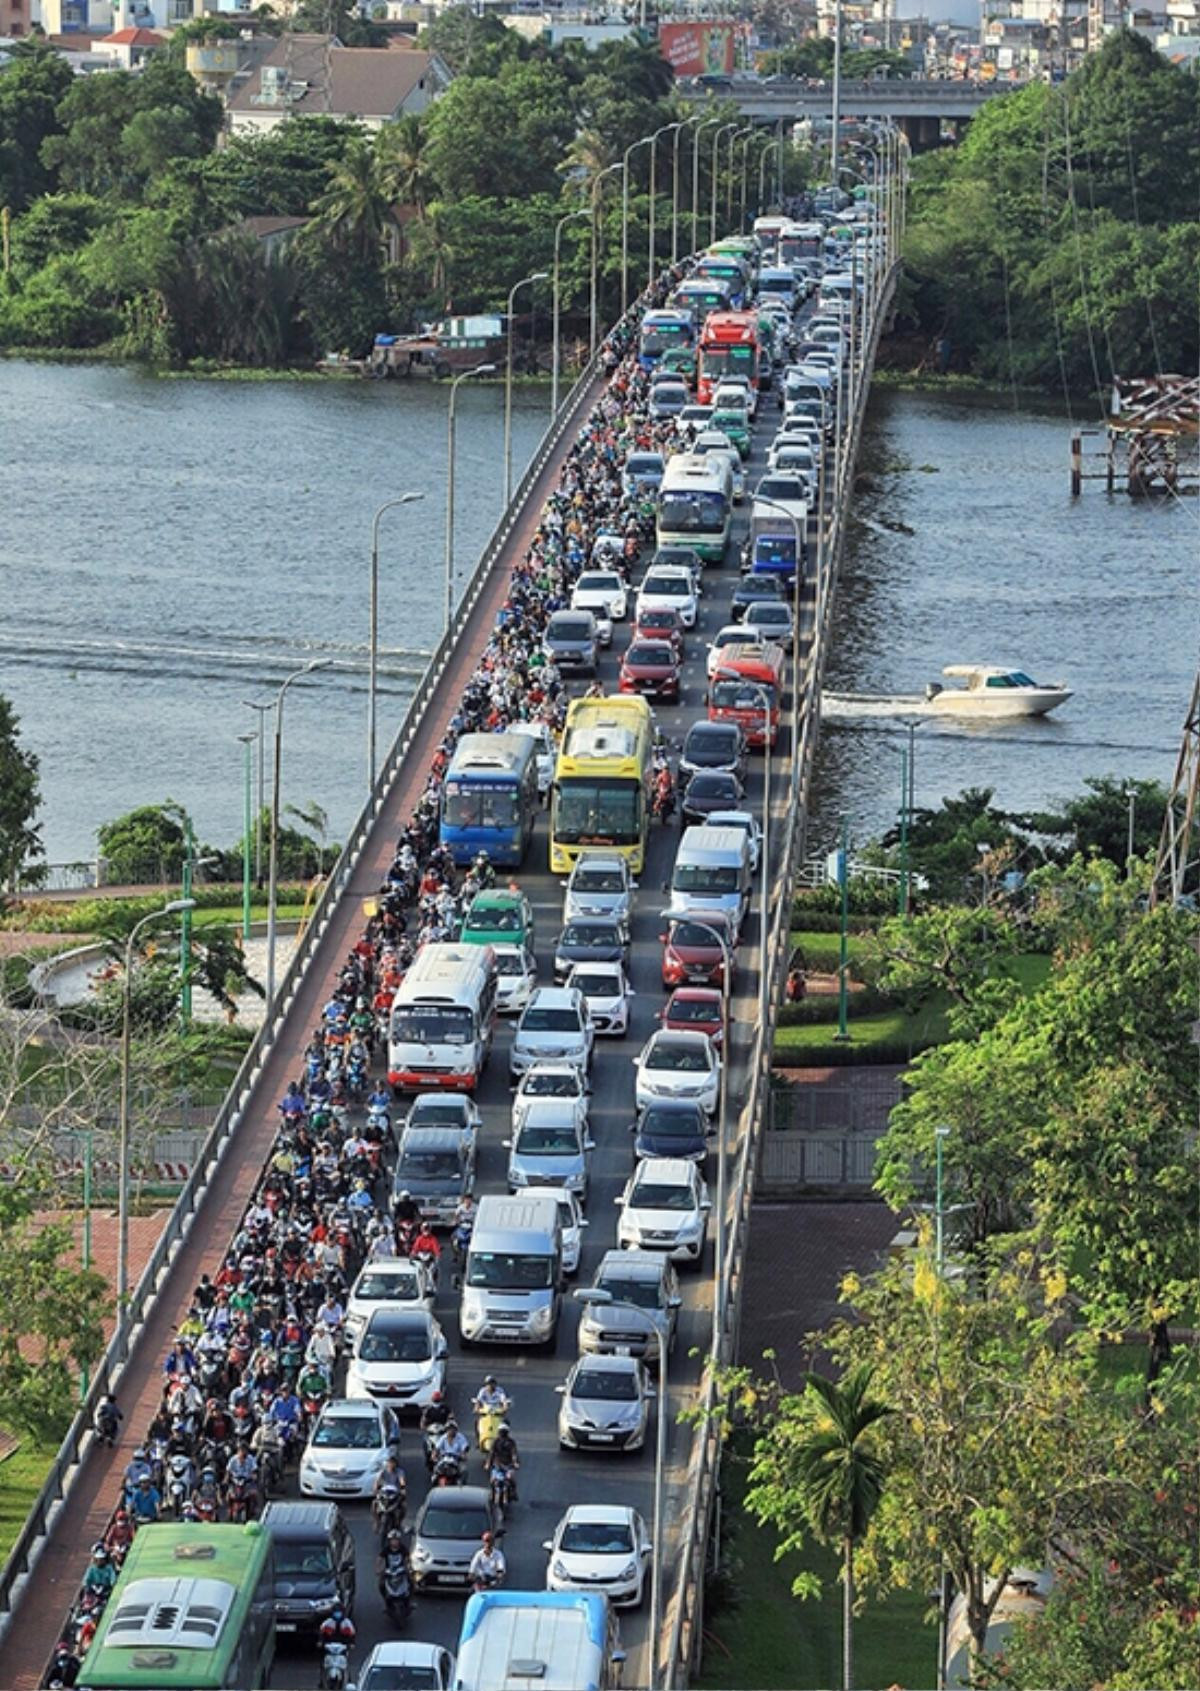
664, 1207
773, 617
605, 1404
673, 587
747, 822
547, 750
732, 634
603, 592
347, 1449
554, 1025
393, 1280
571, 1220
600, 1547
678, 1064
400, 1358
736, 390
606, 988
563, 1081
516, 977
405, 1663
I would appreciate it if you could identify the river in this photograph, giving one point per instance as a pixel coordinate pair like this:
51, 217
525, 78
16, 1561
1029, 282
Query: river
170, 548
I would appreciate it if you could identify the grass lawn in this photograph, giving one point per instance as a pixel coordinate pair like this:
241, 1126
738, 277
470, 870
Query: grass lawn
230, 915
21, 1477
772, 1639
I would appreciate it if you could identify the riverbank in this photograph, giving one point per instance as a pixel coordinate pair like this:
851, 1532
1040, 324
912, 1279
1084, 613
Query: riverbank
206, 370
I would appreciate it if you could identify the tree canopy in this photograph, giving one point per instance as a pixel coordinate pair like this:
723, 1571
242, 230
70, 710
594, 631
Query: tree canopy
20, 841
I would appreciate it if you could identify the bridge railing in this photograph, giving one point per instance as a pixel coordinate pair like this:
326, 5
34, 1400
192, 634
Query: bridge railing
684, 1614
64, 1469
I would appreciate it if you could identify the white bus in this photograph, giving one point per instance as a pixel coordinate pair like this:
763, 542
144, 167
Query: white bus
695, 504
442, 1018
538, 1641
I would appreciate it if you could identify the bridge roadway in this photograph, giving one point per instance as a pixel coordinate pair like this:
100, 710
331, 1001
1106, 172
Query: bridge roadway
550, 1479
884, 97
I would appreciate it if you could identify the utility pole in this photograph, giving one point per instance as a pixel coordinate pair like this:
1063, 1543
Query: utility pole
843, 1031
837, 91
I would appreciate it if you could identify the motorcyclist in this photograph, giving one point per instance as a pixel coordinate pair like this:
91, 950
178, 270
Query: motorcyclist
101, 1576
380, 1101
390, 1496
506, 1457
242, 1468
286, 1412
406, 1209
108, 1419
426, 1250
136, 1468
452, 1443
488, 1566
146, 1500
491, 1396
392, 1560
313, 1382
338, 1628
292, 1105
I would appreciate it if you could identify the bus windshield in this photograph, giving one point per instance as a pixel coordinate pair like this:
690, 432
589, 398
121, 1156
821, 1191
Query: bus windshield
720, 359
484, 806
658, 337
742, 695
692, 513
432, 1024
598, 811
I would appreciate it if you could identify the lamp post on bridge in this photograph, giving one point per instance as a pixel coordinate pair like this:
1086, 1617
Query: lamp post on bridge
525, 282
556, 351
373, 630
273, 855
451, 419
597, 182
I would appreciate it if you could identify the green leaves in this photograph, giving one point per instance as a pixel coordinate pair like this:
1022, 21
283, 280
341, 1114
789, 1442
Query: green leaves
20, 840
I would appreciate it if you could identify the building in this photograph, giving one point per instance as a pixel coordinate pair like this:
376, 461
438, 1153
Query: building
314, 75
131, 47
14, 19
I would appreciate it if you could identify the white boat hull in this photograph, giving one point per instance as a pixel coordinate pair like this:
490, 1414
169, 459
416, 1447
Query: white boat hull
990, 706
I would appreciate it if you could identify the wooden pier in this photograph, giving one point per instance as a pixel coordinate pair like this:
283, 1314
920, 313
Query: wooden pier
1151, 441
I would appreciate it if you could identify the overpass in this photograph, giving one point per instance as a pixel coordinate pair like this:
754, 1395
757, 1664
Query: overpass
40, 1579
918, 106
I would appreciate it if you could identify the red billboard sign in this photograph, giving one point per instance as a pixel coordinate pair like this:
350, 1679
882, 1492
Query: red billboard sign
698, 49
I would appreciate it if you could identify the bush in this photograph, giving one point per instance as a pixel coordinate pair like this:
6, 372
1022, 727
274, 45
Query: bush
830, 922
823, 1007
115, 916
864, 896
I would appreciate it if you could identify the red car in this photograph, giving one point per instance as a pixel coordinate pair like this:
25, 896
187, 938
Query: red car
650, 667
694, 1009
660, 622
693, 954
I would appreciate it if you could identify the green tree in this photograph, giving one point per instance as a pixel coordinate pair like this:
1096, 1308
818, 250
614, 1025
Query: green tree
1097, 820
817, 1474
401, 166
20, 793
472, 44
51, 1311
54, 224
354, 209
503, 136
146, 843
34, 82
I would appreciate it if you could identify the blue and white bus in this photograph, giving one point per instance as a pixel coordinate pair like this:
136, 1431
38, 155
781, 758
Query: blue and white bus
538, 1641
662, 331
490, 797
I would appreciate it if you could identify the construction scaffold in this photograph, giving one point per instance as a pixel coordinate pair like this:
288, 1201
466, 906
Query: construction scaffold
1151, 439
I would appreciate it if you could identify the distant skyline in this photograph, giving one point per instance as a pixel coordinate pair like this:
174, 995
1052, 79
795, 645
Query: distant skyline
959, 11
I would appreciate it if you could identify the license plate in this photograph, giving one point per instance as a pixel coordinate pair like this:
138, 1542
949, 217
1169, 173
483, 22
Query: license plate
622, 1350
602, 1438
453, 1579
285, 1626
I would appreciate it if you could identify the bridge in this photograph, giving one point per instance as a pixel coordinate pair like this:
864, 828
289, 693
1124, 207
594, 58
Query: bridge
43, 1572
917, 106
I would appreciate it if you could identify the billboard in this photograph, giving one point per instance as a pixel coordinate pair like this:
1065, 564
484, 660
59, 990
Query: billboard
699, 49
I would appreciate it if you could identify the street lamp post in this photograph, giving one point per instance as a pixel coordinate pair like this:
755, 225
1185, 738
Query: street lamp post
652, 255
762, 179
799, 538
712, 216
261, 710
373, 631
702, 123
678, 128
837, 91
525, 282
176, 906
598, 1295
247, 741
555, 356
843, 1031
1132, 796
940, 1135
629, 151
463, 375
273, 854
594, 336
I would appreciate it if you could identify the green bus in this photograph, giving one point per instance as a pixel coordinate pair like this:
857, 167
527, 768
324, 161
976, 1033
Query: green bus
194, 1607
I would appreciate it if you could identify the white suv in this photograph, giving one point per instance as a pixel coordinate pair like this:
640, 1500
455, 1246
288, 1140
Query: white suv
664, 1207
670, 587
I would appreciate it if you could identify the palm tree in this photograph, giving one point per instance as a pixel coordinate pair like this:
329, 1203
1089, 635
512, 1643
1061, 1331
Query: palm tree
838, 1475
588, 156
352, 208
401, 164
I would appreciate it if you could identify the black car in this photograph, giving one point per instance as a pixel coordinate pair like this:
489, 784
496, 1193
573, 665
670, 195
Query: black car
709, 791
713, 745
671, 1130
314, 1563
750, 589
590, 939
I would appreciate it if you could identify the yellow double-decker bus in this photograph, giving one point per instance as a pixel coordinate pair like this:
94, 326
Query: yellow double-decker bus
601, 794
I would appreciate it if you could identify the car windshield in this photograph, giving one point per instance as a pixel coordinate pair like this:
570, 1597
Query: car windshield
596, 1538
693, 934
596, 581
694, 1010
767, 613
642, 1292
710, 747
651, 653
503, 1271
511, 963
781, 487
348, 1432
431, 1024
717, 786
597, 985
744, 695
297, 1560
598, 811
551, 1083
641, 463
401, 1676
441, 1521
429, 1165
700, 877
438, 1112
591, 936
546, 1018
659, 616
679, 1056
684, 1124
667, 587
376, 1286
551, 1141
467, 805
661, 1195
599, 1383
590, 879
692, 513
569, 628
395, 1344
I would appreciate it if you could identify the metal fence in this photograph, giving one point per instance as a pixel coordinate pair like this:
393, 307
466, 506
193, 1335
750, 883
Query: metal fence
858, 1105
233, 1110
794, 1163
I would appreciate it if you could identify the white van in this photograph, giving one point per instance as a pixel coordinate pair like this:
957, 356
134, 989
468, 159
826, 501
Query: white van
442, 1018
512, 1283
712, 873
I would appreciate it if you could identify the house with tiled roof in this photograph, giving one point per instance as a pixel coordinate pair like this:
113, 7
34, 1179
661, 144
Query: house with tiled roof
314, 75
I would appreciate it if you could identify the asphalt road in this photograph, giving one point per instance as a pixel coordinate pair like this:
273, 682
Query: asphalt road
551, 1479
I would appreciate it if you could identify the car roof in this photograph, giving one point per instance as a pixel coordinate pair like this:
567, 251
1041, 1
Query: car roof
549, 1109
666, 1171
352, 1406
556, 997
669, 570
555, 1067
680, 1036
608, 966
690, 994
402, 1652
598, 1513
400, 1315
462, 1497
611, 1364
632, 1265
600, 919
432, 1138
598, 860
714, 730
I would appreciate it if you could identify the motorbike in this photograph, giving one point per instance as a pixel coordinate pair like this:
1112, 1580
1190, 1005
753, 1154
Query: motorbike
487, 1425
447, 1470
395, 1587
500, 1485
335, 1664
241, 1500
181, 1478
388, 1509
664, 801
108, 1424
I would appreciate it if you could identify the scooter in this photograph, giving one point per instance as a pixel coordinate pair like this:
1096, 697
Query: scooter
395, 1587
335, 1664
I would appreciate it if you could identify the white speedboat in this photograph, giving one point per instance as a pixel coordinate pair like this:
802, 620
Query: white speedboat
991, 692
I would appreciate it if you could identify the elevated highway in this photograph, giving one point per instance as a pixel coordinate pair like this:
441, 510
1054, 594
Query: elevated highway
917, 106
40, 1580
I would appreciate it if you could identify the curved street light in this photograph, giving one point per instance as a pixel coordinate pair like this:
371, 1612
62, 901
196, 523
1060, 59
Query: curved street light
273, 858
525, 282
555, 356
373, 630
451, 414
712, 220
594, 337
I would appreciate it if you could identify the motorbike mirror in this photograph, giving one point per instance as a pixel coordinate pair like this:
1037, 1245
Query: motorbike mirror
561, 1390
547, 1544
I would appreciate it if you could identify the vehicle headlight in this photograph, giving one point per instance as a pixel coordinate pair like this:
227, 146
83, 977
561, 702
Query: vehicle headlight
518, 1177
693, 1223
322, 1605
628, 1571
542, 1319
559, 1569
421, 1557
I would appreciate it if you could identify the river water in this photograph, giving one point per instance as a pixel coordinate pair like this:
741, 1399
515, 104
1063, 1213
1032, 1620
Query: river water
170, 548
